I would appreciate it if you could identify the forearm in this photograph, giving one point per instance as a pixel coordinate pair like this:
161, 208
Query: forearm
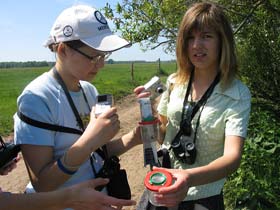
124, 143
218, 169
45, 168
80, 152
43, 201
162, 128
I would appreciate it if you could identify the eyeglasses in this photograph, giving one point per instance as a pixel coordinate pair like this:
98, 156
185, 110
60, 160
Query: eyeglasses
93, 59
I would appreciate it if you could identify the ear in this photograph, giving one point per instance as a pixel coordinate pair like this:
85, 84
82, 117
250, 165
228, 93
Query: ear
61, 49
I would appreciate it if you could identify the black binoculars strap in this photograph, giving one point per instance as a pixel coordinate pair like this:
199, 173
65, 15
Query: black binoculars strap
47, 126
200, 103
203, 99
164, 154
57, 128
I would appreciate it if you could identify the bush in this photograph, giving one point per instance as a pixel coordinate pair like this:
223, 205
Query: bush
255, 185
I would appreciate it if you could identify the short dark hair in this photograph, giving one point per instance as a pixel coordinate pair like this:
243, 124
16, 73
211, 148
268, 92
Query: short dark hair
75, 44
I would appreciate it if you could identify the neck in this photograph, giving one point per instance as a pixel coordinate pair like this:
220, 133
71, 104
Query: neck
71, 82
204, 78
201, 82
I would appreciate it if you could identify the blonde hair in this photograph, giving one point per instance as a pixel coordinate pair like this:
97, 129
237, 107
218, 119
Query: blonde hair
199, 16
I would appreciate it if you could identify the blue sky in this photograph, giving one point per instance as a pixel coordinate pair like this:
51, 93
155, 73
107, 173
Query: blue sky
25, 25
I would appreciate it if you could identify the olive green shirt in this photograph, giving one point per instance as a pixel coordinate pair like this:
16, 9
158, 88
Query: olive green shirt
225, 113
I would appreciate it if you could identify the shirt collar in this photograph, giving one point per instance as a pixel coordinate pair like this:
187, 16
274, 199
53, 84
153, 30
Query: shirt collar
231, 91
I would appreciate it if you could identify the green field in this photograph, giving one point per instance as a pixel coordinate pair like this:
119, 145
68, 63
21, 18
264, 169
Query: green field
114, 78
256, 182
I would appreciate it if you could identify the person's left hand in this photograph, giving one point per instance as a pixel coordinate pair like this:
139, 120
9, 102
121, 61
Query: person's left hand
137, 135
174, 194
11, 166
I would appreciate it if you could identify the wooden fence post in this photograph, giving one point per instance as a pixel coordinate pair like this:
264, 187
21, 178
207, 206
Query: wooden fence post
159, 69
132, 71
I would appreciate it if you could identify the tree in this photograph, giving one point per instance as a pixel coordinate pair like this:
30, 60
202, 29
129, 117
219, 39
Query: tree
110, 61
259, 47
150, 23
256, 23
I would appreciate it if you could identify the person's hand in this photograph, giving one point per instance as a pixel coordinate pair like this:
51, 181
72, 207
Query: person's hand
104, 127
9, 167
84, 196
174, 194
140, 93
137, 135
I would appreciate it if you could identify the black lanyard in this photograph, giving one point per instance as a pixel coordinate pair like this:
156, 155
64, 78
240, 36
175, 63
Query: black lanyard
202, 100
189, 113
69, 98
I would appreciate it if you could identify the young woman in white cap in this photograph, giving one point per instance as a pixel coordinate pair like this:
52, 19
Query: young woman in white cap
56, 125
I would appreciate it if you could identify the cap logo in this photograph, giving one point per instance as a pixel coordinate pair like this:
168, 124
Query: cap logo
68, 31
99, 17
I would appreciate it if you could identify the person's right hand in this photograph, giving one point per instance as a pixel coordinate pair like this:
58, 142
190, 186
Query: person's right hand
172, 195
104, 127
141, 93
85, 196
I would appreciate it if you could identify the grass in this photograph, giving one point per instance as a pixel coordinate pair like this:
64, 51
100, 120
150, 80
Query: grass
114, 78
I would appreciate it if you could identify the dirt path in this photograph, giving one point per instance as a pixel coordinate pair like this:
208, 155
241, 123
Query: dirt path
132, 161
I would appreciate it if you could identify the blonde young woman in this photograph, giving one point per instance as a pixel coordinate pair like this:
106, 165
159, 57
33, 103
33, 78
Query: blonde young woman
206, 79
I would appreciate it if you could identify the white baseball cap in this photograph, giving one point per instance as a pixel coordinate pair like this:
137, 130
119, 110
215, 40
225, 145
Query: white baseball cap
85, 23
